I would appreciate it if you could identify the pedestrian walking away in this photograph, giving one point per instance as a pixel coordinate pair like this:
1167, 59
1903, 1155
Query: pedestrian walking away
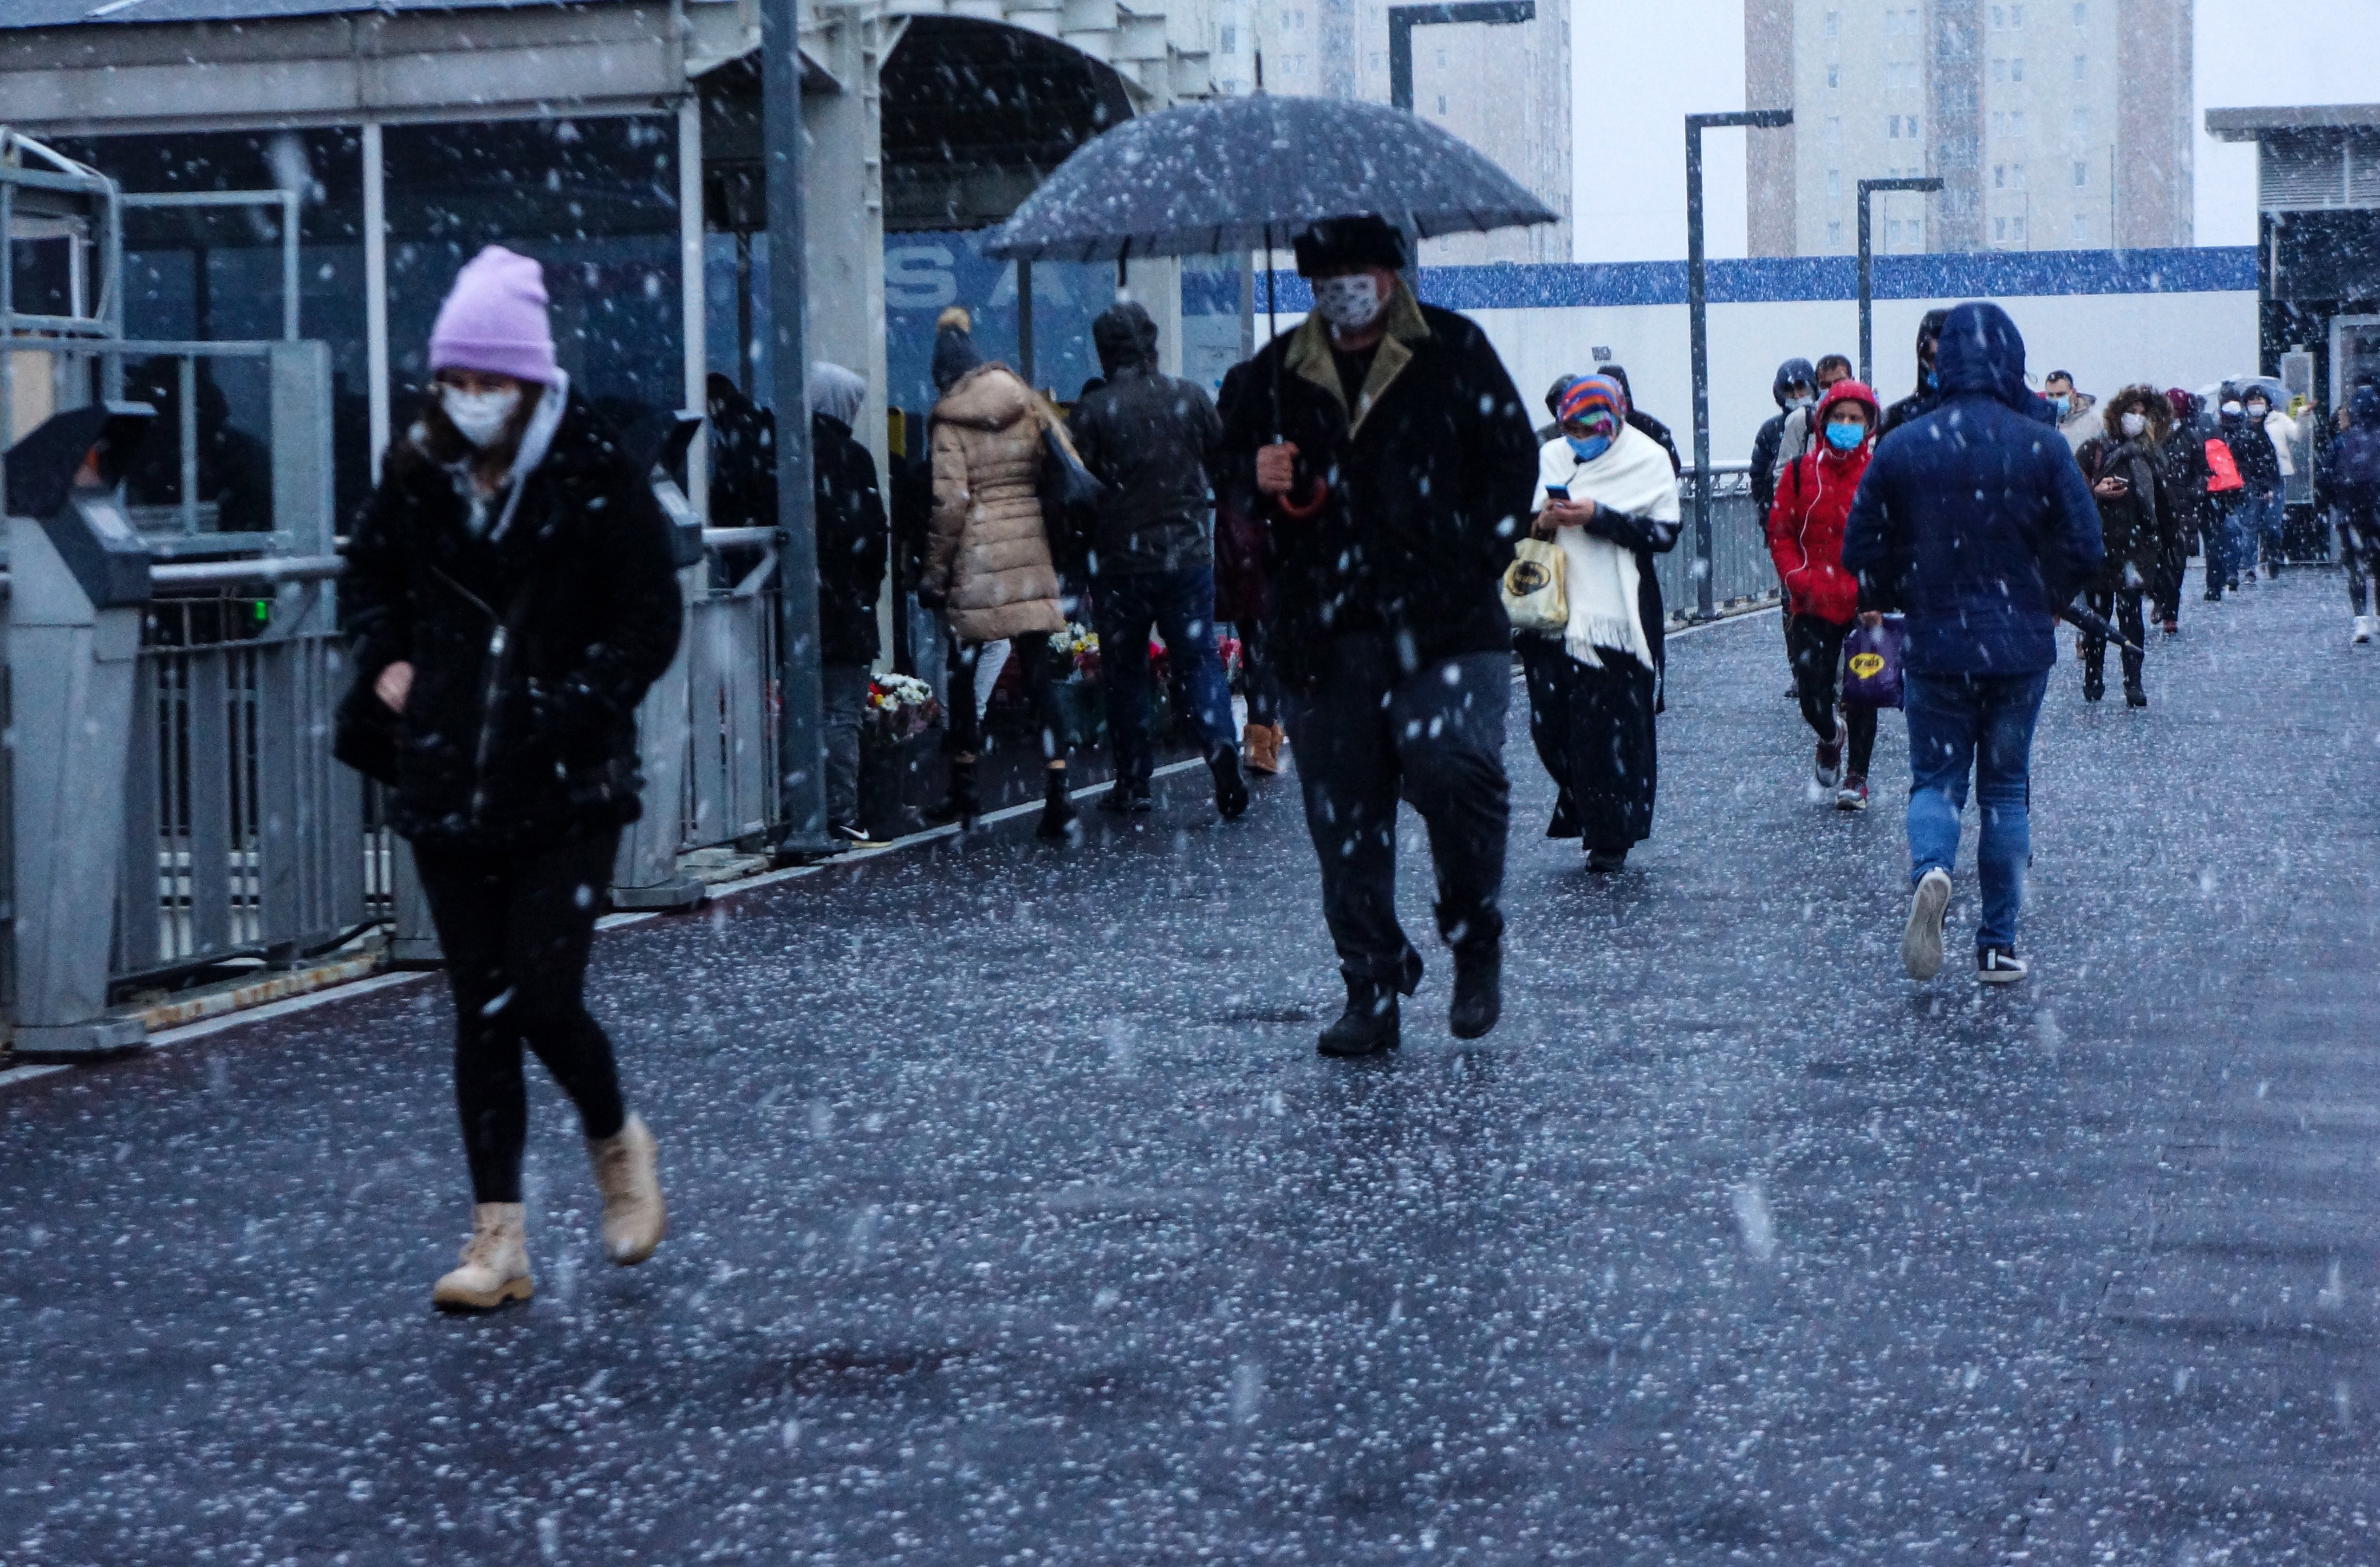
1150, 439
2139, 528
1805, 539
988, 567
1976, 523
2350, 474
512, 593
853, 546
1396, 463
1607, 495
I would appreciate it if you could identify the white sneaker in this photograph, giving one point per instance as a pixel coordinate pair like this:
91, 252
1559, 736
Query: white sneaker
496, 1262
1921, 943
2363, 628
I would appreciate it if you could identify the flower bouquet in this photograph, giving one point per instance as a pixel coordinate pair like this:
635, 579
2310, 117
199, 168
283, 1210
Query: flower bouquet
899, 708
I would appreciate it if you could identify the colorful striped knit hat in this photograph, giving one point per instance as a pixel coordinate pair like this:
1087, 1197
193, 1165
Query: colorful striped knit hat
1590, 396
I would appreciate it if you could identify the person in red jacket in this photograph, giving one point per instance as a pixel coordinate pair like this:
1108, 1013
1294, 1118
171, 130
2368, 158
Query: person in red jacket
1806, 538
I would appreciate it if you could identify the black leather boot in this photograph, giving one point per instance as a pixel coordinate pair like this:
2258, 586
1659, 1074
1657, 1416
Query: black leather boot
1478, 991
1057, 806
1370, 1024
961, 805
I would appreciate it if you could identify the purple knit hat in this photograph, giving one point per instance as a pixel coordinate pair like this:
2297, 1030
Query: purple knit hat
495, 320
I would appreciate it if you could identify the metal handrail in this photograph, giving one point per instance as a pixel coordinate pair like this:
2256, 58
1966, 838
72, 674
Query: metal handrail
224, 574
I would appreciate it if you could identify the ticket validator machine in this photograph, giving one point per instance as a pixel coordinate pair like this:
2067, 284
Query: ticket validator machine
79, 588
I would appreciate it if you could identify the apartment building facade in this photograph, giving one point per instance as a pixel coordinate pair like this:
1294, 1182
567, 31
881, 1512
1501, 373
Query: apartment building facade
2052, 124
1501, 84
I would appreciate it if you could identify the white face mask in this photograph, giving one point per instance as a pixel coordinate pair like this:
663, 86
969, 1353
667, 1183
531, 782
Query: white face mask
2134, 423
1350, 303
2258, 411
480, 416
2231, 407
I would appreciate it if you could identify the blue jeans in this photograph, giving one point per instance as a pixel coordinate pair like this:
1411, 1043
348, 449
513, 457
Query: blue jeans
1181, 605
2254, 516
1981, 723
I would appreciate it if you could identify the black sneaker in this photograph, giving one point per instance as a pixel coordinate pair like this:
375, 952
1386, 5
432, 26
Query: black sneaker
1230, 789
1369, 1026
1998, 966
848, 832
1607, 861
1478, 991
1124, 796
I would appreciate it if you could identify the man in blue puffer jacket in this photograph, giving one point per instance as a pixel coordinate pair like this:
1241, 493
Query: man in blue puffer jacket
1976, 522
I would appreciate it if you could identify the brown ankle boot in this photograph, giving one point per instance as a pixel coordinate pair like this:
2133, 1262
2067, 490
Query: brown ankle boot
1261, 745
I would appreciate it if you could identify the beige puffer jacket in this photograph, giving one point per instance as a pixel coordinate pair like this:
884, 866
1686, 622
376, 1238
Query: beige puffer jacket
987, 554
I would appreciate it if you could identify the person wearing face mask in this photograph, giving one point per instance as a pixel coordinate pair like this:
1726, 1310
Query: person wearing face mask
2076, 412
2257, 509
1606, 495
1805, 539
2137, 524
1795, 389
2181, 475
1394, 460
2349, 477
512, 593
1928, 395
1802, 424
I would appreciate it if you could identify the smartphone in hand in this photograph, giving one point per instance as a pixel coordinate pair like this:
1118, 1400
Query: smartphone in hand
1558, 492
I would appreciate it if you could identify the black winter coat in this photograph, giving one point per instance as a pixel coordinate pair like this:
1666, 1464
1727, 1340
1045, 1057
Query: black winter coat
2252, 450
854, 542
1404, 511
529, 651
1150, 439
2139, 529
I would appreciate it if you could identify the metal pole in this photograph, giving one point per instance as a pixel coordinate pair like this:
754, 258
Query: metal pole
693, 309
1699, 329
290, 217
1868, 262
1024, 317
376, 368
801, 772
1697, 296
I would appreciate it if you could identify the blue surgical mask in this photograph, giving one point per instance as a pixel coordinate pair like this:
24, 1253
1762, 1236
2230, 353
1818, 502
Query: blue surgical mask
1845, 437
1932, 382
2063, 405
1587, 448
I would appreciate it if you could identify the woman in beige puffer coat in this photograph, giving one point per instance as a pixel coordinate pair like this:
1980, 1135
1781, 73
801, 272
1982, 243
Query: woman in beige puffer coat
988, 562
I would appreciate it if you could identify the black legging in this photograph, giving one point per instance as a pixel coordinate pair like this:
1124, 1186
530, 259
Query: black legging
2123, 609
1033, 655
516, 929
1817, 647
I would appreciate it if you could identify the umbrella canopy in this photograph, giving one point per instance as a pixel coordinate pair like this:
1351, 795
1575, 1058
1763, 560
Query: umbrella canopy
1209, 178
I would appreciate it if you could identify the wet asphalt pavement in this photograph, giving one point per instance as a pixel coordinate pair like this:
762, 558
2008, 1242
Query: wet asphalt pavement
1014, 1218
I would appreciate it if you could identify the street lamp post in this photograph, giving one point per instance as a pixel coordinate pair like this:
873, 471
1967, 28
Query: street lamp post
801, 769
1763, 119
1867, 264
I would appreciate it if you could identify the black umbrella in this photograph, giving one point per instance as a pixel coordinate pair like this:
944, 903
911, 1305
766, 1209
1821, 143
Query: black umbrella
1244, 174
2089, 620
1237, 174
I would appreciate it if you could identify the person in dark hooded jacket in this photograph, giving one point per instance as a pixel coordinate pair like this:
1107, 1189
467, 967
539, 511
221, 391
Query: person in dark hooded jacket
1150, 439
512, 593
1796, 386
2349, 477
2138, 527
853, 546
1973, 520
1396, 465
1638, 419
1921, 401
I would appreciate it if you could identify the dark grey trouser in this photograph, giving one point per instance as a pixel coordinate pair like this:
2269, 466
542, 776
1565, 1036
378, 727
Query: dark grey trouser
843, 690
1365, 734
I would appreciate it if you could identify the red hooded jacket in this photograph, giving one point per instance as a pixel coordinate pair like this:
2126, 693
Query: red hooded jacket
1805, 524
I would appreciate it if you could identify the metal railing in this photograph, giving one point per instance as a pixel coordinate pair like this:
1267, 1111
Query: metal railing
1742, 575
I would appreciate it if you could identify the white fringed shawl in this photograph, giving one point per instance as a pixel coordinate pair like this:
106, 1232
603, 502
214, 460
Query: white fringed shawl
1600, 577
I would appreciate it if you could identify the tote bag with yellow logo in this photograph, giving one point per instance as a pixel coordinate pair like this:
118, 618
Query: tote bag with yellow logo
1534, 593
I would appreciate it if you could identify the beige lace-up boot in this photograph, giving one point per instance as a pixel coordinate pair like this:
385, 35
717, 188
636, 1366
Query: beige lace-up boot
496, 1262
626, 1173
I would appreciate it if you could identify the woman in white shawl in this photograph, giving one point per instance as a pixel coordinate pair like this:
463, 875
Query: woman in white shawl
1606, 495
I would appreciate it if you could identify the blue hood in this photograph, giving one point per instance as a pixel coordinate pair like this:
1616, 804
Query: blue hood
2364, 406
1982, 351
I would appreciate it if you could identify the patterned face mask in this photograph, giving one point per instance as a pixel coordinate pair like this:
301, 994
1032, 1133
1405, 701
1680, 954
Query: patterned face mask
1350, 303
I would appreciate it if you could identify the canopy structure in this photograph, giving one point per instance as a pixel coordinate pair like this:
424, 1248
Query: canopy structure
1240, 174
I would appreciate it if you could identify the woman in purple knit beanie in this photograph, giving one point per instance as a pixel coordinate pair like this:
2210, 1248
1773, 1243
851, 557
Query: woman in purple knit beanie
512, 592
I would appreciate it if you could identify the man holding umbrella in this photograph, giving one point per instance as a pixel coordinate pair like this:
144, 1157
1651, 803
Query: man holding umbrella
1397, 465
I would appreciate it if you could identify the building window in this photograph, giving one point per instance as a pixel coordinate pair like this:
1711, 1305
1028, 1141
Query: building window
2081, 174
1834, 75
2016, 229
1892, 128
2081, 13
2082, 229
1834, 24
2016, 177
2082, 63
2016, 68
2016, 122
1999, 228
1834, 182
2016, 18
1228, 41
1999, 122
1999, 70
1441, 102
1892, 232
1999, 176
2081, 122
2000, 17
1835, 233
1834, 128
